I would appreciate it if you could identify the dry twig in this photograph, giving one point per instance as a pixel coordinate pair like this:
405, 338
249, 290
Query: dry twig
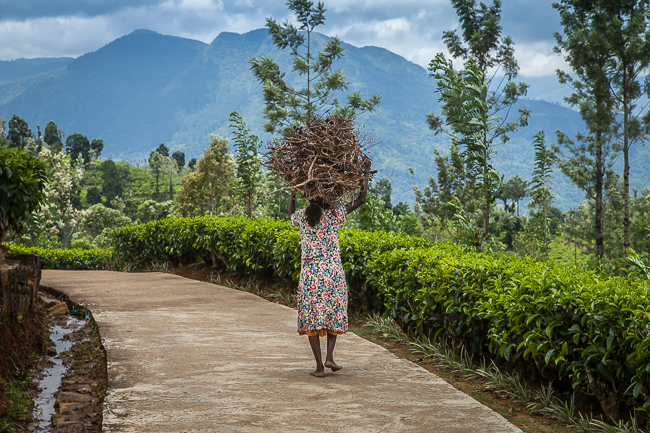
323, 159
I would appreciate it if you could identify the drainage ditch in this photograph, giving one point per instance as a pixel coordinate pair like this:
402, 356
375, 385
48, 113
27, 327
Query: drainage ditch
73, 382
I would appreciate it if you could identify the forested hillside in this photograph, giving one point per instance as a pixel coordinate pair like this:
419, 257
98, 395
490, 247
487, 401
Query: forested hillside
146, 88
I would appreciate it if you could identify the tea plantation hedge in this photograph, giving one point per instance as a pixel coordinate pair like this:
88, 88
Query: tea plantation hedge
579, 329
584, 330
71, 259
262, 246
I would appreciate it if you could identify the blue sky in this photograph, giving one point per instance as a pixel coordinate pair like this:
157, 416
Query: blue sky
410, 28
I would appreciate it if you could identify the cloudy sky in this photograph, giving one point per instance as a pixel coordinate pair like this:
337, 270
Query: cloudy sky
411, 28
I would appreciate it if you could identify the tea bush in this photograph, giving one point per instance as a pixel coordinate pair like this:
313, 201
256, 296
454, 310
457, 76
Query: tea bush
588, 331
265, 247
71, 259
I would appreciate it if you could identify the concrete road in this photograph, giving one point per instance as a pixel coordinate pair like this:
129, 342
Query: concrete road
186, 356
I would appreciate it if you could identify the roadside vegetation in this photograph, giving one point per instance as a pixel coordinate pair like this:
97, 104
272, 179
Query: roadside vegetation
480, 274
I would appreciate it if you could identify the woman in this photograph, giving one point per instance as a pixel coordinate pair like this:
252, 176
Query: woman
322, 291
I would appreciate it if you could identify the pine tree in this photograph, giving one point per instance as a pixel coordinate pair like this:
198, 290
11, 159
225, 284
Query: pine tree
286, 107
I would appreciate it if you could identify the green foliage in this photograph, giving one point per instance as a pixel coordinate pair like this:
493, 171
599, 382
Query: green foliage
540, 189
579, 328
208, 189
71, 259
22, 183
464, 97
20, 403
19, 133
96, 147
112, 185
249, 162
76, 145
179, 157
52, 133
151, 210
514, 189
483, 45
263, 246
286, 107
582, 329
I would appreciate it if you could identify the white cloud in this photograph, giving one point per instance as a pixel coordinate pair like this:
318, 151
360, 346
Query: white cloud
54, 37
194, 5
410, 28
538, 59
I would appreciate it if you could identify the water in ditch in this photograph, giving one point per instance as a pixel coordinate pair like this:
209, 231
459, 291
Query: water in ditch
44, 403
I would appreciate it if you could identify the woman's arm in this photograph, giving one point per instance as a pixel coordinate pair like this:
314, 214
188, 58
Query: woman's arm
292, 204
350, 207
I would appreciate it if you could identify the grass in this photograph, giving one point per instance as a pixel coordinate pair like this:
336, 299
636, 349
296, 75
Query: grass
531, 409
20, 402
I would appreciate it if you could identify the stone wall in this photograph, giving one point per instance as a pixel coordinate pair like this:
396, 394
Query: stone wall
20, 277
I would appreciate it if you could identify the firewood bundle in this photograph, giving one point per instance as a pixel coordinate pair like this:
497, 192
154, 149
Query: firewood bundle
324, 159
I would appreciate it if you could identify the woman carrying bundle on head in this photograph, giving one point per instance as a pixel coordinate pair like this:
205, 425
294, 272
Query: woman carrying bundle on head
322, 291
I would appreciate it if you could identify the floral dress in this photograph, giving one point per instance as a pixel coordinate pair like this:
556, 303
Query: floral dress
322, 291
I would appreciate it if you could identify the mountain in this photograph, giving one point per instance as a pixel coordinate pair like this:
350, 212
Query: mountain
145, 88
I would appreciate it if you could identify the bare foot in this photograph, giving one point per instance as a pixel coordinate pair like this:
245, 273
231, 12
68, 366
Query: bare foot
332, 365
318, 373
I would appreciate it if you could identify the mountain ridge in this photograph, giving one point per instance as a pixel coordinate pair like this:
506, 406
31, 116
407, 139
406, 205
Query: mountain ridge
146, 88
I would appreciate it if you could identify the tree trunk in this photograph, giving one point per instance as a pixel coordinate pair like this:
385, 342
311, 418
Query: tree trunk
171, 187
599, 196
626, 169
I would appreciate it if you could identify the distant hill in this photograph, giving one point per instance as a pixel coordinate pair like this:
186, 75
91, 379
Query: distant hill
22, 68
145, 88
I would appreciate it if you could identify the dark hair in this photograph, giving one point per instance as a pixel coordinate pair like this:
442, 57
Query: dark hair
314, 211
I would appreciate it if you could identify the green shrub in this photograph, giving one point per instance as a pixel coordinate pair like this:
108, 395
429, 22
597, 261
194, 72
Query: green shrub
580, 328
357, 249
22, 181
71, 259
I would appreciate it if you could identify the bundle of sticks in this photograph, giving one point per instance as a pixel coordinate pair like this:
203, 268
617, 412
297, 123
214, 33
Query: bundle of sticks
324, 159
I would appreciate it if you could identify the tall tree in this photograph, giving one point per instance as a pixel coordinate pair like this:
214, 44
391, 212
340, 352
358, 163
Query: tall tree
383, 189
19, 133
207, 190
590, 159
248, 160
481, 41
470, 124
171, 168
112, 185
96, 147
286, 107
179, 157
162, 149
62, 192
453, 181
540, 190
515, 189
157, 165
77, 144
52, 133
620, 36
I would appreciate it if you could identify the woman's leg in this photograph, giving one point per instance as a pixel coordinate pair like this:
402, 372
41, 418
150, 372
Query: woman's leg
314, 342
329, 360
